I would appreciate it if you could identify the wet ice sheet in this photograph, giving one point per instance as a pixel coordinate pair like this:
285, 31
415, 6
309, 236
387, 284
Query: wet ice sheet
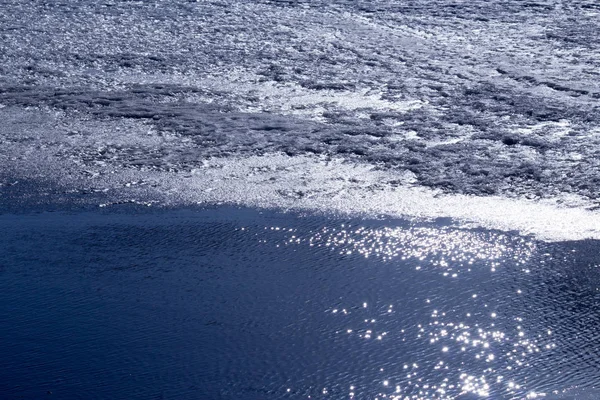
279, 181
485, 98
227, 303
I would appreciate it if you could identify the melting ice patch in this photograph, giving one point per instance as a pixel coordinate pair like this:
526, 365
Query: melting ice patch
484, 112
315, 184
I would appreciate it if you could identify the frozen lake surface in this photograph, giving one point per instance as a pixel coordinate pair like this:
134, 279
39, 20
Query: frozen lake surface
432, 170
309, 104
229, 303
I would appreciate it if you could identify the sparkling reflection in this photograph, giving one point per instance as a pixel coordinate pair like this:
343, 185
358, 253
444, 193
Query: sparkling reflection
287, 308
448, 313
472, 354
452, 249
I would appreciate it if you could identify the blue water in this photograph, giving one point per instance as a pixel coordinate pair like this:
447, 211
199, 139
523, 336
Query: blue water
227, 303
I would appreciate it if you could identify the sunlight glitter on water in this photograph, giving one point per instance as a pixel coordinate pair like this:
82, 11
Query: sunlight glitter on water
463, 355
450, 249
272, 306
474, 348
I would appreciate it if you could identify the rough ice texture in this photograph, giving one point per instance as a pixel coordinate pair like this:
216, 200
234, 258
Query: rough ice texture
482, 98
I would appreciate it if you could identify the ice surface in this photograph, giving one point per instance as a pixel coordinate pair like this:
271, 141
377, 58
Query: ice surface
451, 107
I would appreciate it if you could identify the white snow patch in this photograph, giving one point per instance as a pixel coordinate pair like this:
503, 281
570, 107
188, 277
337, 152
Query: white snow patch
318, 184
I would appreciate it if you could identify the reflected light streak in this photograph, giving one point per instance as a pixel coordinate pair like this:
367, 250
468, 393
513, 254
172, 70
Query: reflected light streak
473, 350
448, 248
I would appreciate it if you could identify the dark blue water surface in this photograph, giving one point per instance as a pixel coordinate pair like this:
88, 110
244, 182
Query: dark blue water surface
227, 303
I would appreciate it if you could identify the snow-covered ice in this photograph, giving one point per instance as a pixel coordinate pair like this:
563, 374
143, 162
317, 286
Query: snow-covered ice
487, 112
